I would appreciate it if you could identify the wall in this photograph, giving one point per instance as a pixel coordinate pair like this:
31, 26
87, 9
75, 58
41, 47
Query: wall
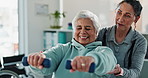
104, 9
37, 23
145, 16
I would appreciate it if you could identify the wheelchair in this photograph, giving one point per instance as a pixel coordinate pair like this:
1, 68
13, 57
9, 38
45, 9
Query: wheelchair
11, 67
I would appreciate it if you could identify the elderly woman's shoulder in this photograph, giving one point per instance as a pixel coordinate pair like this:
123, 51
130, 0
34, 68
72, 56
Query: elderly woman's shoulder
103, 49
60, 45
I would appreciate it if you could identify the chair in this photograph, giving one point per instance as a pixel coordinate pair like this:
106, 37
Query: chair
11, 66
8, 74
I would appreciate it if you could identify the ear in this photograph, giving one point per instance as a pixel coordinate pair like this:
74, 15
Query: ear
137, 18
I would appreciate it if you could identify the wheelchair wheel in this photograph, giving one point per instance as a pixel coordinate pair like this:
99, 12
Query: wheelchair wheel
8, 74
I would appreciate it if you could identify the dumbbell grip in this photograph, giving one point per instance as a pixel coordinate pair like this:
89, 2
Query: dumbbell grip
46, 62
91, 69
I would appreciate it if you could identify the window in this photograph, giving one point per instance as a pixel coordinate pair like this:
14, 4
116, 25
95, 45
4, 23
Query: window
8, 27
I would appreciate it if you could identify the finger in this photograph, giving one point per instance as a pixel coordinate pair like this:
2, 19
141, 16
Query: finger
79, 66
74, 64
111, 72
41, 59
88, 62
35, 61
31, 58
118, 68
83, 64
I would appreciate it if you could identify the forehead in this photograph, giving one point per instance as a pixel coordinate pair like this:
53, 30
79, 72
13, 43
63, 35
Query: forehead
84, 21
126, 8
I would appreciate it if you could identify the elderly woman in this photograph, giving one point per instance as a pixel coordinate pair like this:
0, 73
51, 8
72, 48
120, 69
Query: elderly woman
83, 49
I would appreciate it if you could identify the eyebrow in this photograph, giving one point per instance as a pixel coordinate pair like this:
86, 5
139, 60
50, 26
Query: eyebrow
126, 12
78, 26
87, 26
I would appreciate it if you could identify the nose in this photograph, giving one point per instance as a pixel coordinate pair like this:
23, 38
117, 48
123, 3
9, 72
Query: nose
83, 30
120, 19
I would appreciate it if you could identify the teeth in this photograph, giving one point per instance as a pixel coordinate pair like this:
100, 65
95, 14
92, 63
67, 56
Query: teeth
83, 37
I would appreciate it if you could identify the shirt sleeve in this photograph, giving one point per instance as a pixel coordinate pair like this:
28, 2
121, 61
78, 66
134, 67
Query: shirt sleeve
138, 55
104, 59
56, 54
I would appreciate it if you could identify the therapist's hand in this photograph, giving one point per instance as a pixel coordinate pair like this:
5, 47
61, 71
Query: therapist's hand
36, 59
117, 71
81, 63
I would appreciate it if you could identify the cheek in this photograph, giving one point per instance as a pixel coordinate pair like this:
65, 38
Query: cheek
75, 35
129, 22
93, 35
116, 19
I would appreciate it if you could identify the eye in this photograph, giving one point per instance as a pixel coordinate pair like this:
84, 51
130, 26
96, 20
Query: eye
78, 28
87, 28
119, 13
127, 16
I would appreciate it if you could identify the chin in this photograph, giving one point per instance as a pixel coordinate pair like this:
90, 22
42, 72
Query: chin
83, 43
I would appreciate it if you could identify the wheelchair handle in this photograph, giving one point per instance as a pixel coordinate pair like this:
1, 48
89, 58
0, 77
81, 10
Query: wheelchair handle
91, 69
46, 63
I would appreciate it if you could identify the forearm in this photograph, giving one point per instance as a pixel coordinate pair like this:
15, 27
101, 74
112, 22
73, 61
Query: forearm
105, 61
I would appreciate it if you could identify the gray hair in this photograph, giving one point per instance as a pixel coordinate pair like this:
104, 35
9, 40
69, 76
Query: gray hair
87, 14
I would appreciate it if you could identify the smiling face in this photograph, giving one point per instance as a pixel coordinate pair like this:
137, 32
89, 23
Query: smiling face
125, 16
85, 32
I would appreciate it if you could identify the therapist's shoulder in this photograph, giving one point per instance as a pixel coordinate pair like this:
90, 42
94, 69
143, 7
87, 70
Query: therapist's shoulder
139, 36
105, 29
139, 39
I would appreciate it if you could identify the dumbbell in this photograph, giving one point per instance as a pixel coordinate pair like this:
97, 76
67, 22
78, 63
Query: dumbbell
46, 63
91, 69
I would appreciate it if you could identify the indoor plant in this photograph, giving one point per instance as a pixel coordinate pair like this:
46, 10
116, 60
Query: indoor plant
56, 16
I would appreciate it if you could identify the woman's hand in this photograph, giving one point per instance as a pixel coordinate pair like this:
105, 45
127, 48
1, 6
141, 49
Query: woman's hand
36, 59
117, 71
81, 63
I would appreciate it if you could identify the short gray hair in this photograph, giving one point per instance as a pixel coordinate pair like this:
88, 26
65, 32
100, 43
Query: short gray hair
87, 14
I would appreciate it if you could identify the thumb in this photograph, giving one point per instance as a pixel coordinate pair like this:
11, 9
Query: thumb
111, 72
40, 66
72, 70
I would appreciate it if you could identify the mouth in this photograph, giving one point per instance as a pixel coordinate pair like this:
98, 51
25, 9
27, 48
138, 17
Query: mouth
84, 37
118, 24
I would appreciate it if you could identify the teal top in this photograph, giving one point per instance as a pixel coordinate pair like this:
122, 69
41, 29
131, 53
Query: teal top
104, 59
122, 51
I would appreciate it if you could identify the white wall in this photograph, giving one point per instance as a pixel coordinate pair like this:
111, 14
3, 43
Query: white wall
104, 9
37, 23
145, 16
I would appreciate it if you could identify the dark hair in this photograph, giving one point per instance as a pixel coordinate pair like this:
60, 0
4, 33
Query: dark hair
135, 4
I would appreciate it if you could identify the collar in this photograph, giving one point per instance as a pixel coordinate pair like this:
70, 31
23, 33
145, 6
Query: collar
88, 46
127, 39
